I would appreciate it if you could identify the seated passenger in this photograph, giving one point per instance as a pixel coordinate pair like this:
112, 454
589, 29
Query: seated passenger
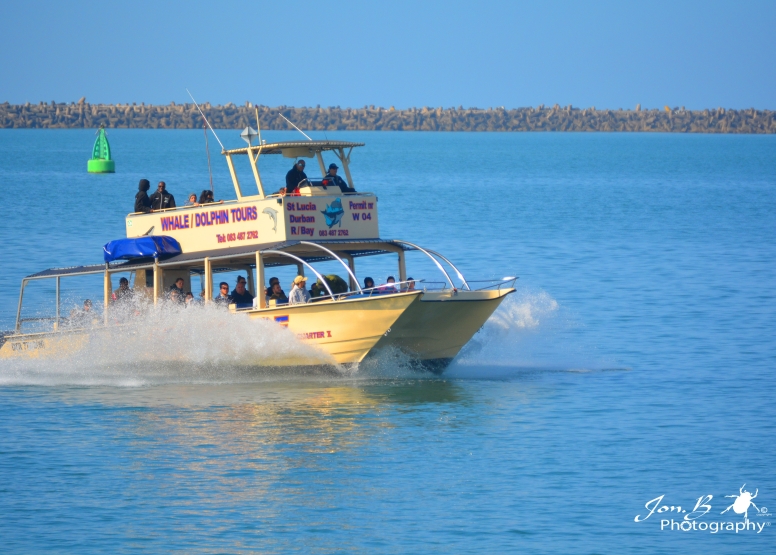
176, 291
315, 290
388, 287
162, 199
82, 318
294, 177
142, 202
240, 295
410, 285
299, 294
207, 198
192, 200
332, 179
222, 298
277, 294
268, 291
123, 294
369, 283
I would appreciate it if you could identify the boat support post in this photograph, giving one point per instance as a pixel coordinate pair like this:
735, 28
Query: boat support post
235, 181
340, 153
157, 271
56, 321
208, 281
19, 308
353, 278
255, 168
302, 262
106, 293
260, 281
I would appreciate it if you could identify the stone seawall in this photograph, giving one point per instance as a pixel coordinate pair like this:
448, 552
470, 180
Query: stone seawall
185, 116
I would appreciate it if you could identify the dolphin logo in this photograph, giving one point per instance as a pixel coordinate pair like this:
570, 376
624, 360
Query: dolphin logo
334, 213
272, 214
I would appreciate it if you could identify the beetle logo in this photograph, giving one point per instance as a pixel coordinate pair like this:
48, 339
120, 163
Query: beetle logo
742, 503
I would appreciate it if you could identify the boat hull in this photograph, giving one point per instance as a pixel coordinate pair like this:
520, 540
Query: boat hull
435, 329
348, 333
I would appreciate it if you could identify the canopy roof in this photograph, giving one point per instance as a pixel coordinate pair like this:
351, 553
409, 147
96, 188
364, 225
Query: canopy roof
222, 258
292, 149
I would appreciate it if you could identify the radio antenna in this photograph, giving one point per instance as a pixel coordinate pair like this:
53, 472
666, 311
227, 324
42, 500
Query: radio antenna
206, 121
207, 149
294, 126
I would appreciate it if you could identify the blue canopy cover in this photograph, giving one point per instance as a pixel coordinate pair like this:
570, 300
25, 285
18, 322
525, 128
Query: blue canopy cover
140, 247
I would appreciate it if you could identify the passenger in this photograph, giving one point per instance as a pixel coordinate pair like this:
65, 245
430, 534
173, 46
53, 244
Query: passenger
316, 290
192, 200
190, 300
176, 291
333, 179
388, 287
268, 290
207, 197
240, 295
277, 294
123, 293
299, 294
82, 318
369, 283
142, 202
222, 298
162, 199
410, 284
294, 177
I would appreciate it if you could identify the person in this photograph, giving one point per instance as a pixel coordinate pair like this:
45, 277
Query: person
162, 199
176, 291
277, 294
315, 290
268, 290
369, 283
332, 179
82, 318
222, 299
123, 294
190, 300
388, 287
411, 284
192, 200
207, 197
240, 295
294, 177
142, 202
299, 294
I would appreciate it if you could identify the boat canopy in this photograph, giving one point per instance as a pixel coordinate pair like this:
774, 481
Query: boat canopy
295, 149
140, 247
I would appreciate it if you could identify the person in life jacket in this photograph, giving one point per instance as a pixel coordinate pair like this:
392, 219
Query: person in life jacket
332, 179
161, 199
142, 202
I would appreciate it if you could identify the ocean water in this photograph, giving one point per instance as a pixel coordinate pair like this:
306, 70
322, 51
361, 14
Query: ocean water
636, 360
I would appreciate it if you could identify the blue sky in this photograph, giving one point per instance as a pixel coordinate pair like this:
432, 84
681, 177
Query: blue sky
350, 54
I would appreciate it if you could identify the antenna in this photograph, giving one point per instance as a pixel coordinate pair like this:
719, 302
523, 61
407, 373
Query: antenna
294, 126
258, 124
206, 121
207, 149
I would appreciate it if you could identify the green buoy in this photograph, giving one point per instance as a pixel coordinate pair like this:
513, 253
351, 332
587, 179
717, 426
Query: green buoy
101, 162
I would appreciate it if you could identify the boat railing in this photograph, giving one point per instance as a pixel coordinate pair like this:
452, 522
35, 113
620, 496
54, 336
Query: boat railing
498, 284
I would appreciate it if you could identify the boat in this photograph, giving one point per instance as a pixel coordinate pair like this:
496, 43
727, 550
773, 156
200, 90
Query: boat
318, 222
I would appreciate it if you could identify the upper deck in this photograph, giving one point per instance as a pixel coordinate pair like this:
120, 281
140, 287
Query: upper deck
316, 213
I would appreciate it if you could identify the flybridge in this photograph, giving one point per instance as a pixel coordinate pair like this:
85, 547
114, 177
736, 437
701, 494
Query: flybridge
315, 212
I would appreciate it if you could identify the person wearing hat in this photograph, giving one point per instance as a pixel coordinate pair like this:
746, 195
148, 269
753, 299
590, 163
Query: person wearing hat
332, 179
299, 294
142, 202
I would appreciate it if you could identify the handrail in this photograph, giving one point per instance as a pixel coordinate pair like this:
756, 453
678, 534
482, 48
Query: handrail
347, 268
438, 265
320, 277
457, 271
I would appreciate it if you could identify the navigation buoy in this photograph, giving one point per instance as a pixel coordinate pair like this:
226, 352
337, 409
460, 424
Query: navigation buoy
101, 161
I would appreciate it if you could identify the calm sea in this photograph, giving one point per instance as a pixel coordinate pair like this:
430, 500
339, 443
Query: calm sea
636, 360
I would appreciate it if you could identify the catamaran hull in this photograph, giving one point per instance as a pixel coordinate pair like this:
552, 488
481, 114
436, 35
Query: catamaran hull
434, 330
346, 333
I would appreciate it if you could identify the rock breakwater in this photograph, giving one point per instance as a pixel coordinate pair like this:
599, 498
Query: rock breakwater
230, 116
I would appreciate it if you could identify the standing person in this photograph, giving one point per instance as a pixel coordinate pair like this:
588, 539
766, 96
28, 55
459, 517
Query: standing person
299, 294
240, 295
295, 176
333, 179
162, 199
176, 291
142, 202
192, 200
222, 299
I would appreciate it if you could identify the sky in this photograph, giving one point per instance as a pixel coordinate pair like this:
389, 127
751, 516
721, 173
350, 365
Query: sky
697, 54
